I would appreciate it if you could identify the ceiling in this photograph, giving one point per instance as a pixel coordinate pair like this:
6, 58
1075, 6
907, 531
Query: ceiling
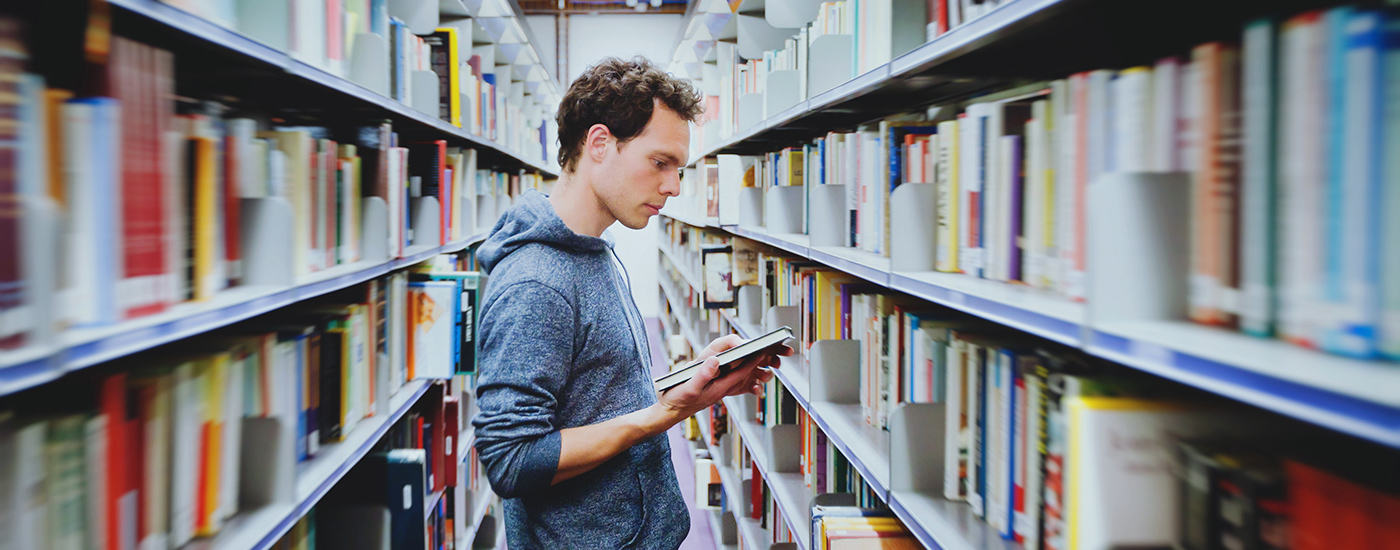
579, 7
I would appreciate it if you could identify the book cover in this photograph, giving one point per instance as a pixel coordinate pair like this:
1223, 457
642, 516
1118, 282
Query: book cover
1259, 62
431, 328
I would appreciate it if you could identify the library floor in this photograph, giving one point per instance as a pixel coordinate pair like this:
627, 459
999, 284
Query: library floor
700, 537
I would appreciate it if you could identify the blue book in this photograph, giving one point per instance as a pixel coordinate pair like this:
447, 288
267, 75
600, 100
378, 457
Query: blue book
101, 210
1390, 246
379, 17
297, 335
1352, 275
406, 483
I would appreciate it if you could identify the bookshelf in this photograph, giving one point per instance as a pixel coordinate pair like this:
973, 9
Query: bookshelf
231, 94
259, 529
79, 349
1348, 395
191, 27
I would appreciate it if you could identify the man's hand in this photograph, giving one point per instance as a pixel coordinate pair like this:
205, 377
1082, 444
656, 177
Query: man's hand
583, 448
707, 386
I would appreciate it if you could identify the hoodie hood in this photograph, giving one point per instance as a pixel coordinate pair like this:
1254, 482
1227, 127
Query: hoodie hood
532, 220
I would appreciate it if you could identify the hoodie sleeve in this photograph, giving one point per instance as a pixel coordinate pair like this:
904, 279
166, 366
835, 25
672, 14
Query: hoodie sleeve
526, 351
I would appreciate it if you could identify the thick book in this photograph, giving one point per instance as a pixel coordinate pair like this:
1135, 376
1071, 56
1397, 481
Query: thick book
765, 343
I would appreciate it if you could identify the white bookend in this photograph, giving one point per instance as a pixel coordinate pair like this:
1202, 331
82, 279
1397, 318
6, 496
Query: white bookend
369, 63
750, 207
425, 218
916, 448
267, 21
913, 227
267, 472
268, 258
731, 182
785, 448
485, 212
835, 376
784, 89
750, 111
421, 16
831, 63
784, 209
828, 210
374, 230
1138, 231
423, 90
790, 14
757, 36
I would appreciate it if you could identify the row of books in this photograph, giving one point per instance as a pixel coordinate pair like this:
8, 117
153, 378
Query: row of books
198, 431
156, 196
326, 34
1286, 234
373, 506
1029, 428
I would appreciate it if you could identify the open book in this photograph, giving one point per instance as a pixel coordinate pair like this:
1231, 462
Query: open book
731, 356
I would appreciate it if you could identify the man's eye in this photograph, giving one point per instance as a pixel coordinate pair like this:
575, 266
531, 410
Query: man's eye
659, 164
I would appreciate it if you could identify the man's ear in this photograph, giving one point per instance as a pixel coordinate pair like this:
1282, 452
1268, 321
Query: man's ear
596, 142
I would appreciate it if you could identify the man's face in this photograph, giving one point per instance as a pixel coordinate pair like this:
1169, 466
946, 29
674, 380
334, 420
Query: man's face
638, 176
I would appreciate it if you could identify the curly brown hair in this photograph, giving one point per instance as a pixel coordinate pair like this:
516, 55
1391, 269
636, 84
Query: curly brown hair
619, 94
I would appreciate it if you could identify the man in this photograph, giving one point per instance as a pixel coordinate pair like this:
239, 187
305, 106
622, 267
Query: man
571, 431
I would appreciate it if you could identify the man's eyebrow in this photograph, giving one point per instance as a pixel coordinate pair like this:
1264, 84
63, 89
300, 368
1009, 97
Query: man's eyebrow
670, 157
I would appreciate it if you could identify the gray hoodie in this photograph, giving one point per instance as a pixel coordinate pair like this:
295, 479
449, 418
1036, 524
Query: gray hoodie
563, 345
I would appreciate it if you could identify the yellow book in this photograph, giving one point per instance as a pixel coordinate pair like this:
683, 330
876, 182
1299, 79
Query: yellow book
828, 314
454, 90
947, 206
213, 374
204, 175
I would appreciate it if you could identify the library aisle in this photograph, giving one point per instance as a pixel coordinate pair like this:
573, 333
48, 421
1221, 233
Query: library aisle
1059, 274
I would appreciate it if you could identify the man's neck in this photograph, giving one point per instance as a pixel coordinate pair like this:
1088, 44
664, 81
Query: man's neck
576, 204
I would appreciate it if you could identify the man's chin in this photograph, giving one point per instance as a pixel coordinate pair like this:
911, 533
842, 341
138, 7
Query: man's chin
638, 223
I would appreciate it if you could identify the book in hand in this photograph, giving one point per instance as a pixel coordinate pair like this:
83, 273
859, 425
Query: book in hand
731, 356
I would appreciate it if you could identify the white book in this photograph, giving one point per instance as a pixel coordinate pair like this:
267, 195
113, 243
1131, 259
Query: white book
1302, 176
1166, 114
1028, 525
22, 454
994, 462
948, 210
975, 372
232, 438
155, 491
95, 480
185, 444
1067, 179
994, 188
1132, 117
970, 171
1035, 201
955, 430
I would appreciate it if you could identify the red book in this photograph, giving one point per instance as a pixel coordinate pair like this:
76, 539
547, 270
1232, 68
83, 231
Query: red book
232, 254
11, 284
452, 413
439, 470
756, 494
134, 81
940, 16
113, 404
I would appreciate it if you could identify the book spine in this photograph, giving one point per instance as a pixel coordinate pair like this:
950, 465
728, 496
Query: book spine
1352, 289
1259, 60
1390, 245
1300, 164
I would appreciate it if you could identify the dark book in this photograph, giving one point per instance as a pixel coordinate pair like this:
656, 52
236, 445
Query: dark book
333, 345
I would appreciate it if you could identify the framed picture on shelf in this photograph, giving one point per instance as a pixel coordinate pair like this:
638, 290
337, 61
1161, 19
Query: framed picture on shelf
718, 263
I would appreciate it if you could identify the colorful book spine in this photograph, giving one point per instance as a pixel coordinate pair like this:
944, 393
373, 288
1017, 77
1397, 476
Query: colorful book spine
1351, 293
1259, 62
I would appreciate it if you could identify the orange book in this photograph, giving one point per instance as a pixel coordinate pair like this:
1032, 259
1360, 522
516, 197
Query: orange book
1215, 186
